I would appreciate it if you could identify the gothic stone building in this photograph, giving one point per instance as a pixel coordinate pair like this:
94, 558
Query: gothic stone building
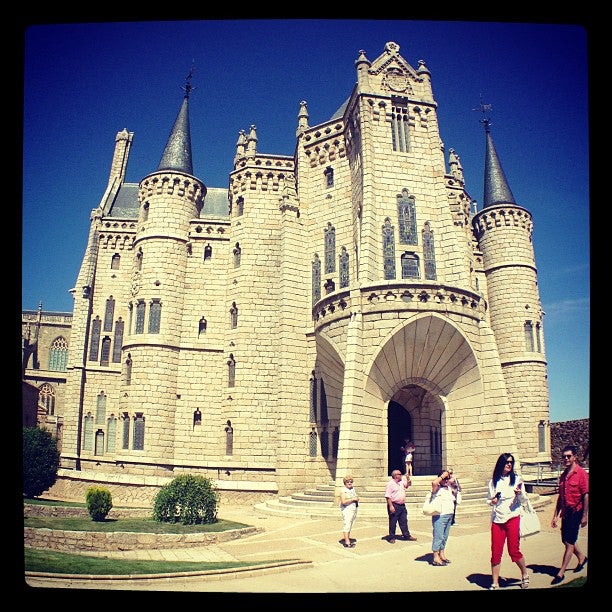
300, 324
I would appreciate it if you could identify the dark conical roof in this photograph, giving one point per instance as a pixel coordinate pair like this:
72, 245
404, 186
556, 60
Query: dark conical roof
177, 154
496, 188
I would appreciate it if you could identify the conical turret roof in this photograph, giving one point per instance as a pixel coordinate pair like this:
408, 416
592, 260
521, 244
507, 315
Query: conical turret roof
177, 154
496, 188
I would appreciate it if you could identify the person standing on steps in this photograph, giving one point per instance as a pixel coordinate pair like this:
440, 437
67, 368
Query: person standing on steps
349, 502
441, 523
505, 496
573, 509
395, 494
408, 449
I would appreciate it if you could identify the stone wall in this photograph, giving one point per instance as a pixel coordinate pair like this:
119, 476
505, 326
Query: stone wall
570, 432
88, 541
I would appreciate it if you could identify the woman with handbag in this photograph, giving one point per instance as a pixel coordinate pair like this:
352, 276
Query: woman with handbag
442, 495
505, 496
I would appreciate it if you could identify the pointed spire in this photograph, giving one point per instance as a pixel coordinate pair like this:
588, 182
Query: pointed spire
177, 154
302, 118
496, 188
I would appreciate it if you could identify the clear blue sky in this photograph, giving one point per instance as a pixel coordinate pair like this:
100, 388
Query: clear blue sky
85, 82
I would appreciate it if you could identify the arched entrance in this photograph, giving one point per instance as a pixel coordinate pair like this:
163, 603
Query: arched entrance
415, 413
399, 427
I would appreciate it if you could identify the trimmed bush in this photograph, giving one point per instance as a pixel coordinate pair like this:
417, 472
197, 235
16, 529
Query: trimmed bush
41, 460
190, 500
99, 503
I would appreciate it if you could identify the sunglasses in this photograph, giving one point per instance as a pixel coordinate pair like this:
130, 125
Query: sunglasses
567, 456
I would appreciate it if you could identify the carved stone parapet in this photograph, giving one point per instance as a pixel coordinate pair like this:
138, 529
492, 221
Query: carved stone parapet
502, 216
400, 296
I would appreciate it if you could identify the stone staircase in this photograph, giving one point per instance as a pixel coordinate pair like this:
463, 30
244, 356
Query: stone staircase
319, 502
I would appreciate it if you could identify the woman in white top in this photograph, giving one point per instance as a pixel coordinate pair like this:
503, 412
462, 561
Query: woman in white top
441, 523
348, 506
505, 496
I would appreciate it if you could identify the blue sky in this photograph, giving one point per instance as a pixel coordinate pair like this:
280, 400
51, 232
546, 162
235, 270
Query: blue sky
85, 82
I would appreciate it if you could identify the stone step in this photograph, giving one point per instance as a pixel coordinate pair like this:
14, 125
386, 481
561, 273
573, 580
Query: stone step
320, 502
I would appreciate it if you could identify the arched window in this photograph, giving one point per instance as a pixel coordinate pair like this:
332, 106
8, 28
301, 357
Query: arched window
88, 422
329, 176
94, 347
128, 369
99, 448
145, 212
118, 341
343, 265
125, 438
240, 206
155, 316
429, 254
406, 213
528, 328
330, 249
139, 257
316, 279
231, 371
229, 438
234, 316
46, 397
197, 417
139, 431
410, 265
101, 408
388, 239
237, 254
140, 317
207, 252
400, 129
313, 398
108, 314
111, 438
58, 355
105, 352
115, 261
312, 443
202, 326
324, 443
324, 419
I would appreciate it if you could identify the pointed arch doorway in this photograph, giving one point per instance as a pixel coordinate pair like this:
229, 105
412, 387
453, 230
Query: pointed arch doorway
416, 414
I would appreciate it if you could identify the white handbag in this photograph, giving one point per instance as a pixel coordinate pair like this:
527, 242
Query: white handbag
431, 505
530, 521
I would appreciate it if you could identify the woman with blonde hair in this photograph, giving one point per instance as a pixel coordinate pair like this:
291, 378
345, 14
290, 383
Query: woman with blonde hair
349, 503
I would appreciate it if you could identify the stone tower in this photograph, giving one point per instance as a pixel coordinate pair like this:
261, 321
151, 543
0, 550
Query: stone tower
504, 233
301, 323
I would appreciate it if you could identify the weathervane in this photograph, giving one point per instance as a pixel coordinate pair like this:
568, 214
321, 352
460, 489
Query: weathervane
188, 87
484, 109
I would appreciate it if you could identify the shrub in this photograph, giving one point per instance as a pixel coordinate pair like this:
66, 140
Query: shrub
40, 461
190, 500
99, 503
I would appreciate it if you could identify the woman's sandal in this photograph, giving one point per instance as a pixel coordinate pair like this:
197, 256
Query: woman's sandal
525, 582
494, 587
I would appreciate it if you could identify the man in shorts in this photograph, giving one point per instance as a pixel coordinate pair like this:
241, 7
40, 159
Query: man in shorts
573, 509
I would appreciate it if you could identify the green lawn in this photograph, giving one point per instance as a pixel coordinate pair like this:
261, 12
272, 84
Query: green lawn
54, 562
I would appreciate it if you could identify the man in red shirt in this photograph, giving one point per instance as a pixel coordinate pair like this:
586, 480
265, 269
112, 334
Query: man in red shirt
573, 509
